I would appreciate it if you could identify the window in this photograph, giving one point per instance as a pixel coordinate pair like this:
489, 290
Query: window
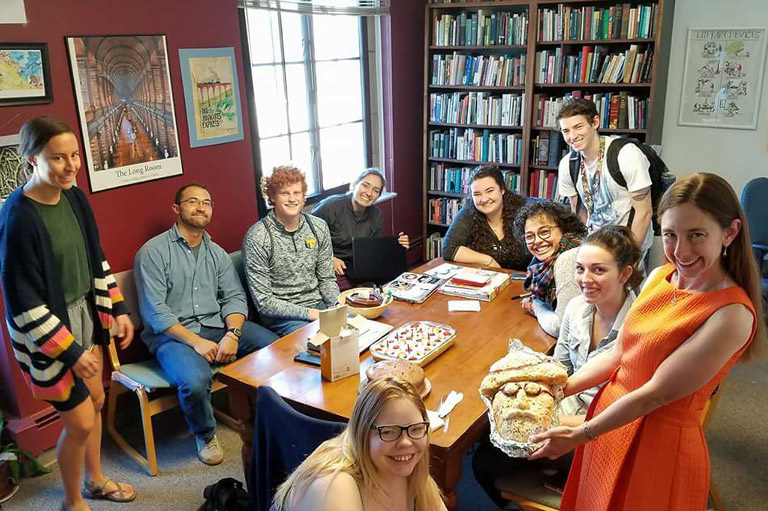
310, 82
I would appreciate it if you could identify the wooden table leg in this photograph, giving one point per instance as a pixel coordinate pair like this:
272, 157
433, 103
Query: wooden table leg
446, 470
242, 406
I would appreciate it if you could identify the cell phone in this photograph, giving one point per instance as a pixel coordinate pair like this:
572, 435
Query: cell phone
307, 358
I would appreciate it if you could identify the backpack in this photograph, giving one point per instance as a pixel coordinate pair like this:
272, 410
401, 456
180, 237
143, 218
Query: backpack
226, 495
661, 177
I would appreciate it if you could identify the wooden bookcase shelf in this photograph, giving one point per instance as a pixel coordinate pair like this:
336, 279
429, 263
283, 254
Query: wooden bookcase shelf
650, 95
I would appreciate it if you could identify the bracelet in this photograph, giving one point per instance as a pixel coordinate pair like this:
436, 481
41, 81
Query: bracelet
588, 431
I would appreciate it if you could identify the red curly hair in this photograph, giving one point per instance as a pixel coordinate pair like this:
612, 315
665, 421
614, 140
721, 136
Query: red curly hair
282, 176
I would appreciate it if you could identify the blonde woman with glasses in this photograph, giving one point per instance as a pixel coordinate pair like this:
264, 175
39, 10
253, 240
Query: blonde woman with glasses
379, 463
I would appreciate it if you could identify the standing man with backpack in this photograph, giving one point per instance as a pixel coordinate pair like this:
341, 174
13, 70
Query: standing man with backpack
607, 179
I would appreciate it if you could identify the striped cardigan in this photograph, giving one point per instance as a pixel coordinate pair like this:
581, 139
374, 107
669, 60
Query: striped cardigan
36, 311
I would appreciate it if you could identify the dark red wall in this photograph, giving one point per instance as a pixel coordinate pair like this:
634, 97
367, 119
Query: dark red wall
130, 215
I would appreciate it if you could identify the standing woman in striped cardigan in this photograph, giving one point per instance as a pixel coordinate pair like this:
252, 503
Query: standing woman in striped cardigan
61, 300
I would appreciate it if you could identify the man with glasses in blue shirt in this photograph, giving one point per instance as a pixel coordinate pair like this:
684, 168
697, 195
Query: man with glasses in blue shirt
194, 310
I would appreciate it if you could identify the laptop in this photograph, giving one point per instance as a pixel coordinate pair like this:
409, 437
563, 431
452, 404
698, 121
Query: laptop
378, 259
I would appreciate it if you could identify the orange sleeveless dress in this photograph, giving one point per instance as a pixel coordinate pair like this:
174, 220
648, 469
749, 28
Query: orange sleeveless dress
659, 461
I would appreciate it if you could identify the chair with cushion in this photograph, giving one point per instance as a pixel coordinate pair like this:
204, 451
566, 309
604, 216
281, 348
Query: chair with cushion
754, 202
282, 438
526, 486
146, 379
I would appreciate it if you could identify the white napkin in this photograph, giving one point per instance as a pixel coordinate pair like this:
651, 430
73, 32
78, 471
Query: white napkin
463, 306
435, 422
449, 403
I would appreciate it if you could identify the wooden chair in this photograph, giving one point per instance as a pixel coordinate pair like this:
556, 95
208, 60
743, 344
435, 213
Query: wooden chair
526, 487
144, 378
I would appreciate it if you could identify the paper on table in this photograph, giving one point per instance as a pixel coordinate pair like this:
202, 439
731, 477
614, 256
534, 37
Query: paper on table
449, 403
463, 306
435, 422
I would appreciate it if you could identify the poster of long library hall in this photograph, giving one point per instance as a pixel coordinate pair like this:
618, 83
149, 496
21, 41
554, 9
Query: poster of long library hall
723, 77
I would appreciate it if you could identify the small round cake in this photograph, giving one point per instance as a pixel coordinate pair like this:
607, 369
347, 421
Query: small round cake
402, 369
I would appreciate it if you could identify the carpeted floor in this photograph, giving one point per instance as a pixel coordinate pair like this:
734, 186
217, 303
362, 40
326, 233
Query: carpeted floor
738, 442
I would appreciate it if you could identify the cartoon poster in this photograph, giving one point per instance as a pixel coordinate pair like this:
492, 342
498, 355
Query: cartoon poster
211, 95
125, 105
723, 77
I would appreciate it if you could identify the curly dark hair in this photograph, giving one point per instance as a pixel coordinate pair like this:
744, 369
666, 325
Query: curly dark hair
510, 203
565, 219
618, 240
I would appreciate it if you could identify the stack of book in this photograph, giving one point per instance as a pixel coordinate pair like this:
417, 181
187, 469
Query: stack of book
620, 21
476, 284
477, 108
481, 28
480, 70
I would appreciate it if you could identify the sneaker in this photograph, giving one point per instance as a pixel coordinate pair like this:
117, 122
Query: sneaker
211, 452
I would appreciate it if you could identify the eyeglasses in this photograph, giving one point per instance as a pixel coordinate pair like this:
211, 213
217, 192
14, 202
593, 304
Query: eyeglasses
416, 431
194, 202
544, 233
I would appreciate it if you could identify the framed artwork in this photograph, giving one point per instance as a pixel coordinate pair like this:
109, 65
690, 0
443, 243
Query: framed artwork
722, 78
25, 77
125, 106
13, 171
211, 95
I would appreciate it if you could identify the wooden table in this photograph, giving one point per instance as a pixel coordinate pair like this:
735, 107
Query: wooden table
481, 339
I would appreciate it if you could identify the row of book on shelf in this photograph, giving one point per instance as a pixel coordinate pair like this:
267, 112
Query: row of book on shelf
476, 145
434, 246
480, 70
620, 21
594, 64
616, 110
477, 108
481, 28
443, 210
542, 184
548, 148
451, 179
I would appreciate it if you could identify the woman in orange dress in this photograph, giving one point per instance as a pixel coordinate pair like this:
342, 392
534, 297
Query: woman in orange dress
642, 446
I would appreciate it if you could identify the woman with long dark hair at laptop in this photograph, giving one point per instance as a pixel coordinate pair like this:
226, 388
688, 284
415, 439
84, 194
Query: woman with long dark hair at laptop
355, 215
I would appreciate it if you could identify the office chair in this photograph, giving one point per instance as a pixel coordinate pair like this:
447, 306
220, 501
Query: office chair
754, 202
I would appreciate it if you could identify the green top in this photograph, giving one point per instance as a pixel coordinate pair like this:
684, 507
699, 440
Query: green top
68, 247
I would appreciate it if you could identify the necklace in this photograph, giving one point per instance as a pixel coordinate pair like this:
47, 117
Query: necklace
673, 300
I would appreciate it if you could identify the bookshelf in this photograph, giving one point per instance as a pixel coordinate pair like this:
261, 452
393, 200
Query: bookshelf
497, 72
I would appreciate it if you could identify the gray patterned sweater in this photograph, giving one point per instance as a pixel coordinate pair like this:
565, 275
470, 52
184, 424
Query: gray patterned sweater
289, 272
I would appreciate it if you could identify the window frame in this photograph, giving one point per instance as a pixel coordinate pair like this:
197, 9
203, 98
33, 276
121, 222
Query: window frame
309, 62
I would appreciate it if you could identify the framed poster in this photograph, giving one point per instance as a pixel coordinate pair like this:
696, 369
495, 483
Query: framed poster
25, 77
13, 169
125, 106
722, 78
211, 95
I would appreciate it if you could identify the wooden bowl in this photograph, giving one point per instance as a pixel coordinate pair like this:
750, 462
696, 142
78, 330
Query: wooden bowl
366, 312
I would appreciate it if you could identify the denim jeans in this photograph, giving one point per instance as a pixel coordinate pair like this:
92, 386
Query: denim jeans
284, 326
192, 376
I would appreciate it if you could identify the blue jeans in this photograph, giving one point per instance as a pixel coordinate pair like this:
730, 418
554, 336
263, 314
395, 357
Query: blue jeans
284, 326
192, 376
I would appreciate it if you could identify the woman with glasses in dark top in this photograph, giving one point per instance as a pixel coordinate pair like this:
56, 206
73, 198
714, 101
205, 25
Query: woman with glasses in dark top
550, 232
379, 463
481, 232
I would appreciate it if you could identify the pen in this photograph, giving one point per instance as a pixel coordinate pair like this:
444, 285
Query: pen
521, 295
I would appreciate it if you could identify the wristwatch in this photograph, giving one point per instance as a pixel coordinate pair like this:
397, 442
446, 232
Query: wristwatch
235, 331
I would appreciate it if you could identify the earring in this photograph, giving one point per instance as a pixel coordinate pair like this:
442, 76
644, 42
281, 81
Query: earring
725, 250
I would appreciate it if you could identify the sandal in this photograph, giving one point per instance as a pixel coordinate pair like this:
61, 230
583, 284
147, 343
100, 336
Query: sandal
118, 494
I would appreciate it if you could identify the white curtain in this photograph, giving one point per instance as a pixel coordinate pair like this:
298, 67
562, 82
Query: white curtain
349, 7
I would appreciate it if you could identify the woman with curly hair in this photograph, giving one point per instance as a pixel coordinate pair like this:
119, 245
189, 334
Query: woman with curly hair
380, 462
550, 232
481, 232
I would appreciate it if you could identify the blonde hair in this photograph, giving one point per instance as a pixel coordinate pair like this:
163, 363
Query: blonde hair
350, 451
714, 196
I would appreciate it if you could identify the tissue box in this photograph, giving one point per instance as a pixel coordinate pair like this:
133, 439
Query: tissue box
339, 355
